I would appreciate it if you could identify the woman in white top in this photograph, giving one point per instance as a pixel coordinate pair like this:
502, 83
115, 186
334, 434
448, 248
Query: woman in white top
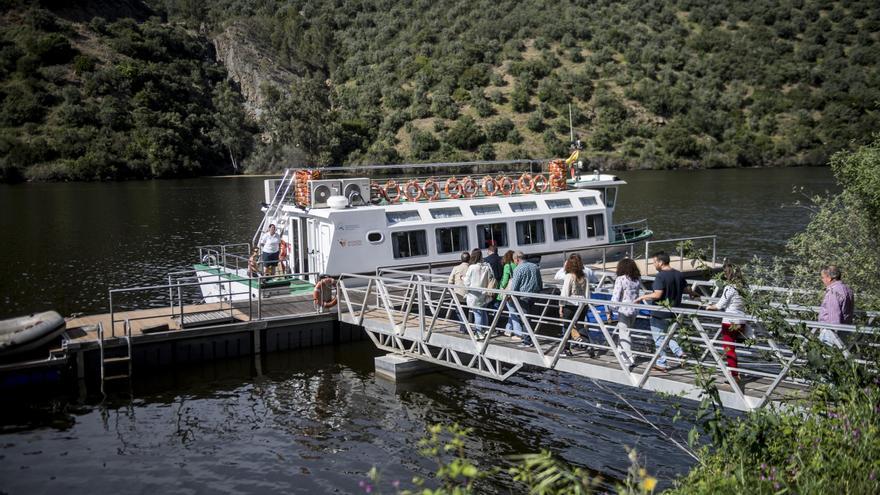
270, 244
732, 329
479, 276
575, 284
456, 277
627, 286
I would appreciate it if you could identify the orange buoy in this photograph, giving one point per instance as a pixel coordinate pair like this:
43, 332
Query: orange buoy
323, 296
540, 183
434, 188
413, 191
490, 186
506, 185
526, 183
469, 187
392, 191
452, 188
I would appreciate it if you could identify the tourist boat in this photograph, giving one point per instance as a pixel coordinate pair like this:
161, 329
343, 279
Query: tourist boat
332, 225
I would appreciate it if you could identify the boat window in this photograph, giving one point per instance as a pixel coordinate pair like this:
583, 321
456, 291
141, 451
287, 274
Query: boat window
565, 228
452, 239
394, 217
409, 243
524, 206
375, 237
595, 225
588, 201
492, 232
610, 196
480, 210
445, 212
555, 204
529, 232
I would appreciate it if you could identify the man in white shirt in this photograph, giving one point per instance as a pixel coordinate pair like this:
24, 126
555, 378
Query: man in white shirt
270, 245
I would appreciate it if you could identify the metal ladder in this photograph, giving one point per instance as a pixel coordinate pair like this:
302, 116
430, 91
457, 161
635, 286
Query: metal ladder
277, 202
113, 360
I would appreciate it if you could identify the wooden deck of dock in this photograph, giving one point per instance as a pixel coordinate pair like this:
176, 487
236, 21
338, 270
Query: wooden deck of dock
689, 267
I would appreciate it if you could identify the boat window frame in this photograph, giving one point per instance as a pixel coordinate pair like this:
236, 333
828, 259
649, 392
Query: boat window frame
588, 201
518, 206
431, 211
576, 226
413, 218
462, 233
496, 210
381, 237
395, 244
542, 231
592, 226
557, 203
506, 234
610, 197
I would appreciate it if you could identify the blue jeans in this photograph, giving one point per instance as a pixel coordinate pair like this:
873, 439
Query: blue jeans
516, 319
659, 326
481, 320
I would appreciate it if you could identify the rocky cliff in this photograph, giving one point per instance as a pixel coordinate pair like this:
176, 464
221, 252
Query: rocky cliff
250, 66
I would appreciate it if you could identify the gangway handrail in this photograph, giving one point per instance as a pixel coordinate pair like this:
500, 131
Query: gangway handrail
680, 240
424, 303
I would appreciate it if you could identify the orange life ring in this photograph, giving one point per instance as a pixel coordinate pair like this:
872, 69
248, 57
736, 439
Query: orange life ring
505, 185
414, 191
282, 250
377, 193
526, 183
452, 188
469, 187
392, 191
487, 181
543, 180
318, 294
431, 184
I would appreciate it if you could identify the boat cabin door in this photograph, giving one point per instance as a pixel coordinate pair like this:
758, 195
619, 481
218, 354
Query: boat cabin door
319, 237
297, 246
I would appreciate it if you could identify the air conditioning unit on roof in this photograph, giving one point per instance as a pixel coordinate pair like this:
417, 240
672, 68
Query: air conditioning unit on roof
321, 190
352, 188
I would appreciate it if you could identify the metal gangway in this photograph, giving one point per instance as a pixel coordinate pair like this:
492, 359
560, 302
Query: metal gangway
418, 315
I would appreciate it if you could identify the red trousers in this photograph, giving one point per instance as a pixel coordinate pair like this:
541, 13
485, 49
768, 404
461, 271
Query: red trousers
729, 333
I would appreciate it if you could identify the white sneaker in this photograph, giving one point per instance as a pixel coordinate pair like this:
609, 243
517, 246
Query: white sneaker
516, 338
508, 333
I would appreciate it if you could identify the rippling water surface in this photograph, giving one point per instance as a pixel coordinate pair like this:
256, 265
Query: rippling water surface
315, 421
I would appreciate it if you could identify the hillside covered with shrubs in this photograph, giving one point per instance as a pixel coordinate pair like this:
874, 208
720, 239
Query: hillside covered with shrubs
649, 84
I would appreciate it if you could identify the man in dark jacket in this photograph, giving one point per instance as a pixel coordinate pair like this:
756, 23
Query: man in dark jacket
494, 261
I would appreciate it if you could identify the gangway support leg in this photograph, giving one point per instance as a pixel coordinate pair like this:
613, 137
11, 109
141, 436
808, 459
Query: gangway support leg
395, 367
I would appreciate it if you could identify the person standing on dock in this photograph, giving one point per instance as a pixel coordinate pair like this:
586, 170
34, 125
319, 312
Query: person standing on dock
669, 285
456, 278
837, 306
526, 278
270, 245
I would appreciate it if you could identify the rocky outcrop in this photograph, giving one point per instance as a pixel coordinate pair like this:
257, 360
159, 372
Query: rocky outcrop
247, 65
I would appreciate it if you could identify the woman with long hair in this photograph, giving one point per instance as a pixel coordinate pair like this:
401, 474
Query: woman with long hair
731, 301
479, 276
627, 286
574, 285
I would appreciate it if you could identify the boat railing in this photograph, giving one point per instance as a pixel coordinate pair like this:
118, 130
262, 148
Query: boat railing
180, 302
682, 245
233, 257
421, 318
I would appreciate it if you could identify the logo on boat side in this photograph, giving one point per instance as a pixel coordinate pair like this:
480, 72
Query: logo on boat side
353, 243
348, 227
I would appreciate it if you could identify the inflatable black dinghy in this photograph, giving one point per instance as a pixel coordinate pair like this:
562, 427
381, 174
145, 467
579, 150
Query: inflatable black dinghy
27, 333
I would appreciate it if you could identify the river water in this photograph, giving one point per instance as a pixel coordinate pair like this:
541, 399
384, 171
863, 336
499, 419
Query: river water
316, 421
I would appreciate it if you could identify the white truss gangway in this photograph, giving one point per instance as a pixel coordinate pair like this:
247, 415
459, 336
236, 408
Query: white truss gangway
417, 315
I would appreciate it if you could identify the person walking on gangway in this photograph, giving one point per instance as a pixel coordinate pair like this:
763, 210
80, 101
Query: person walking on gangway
669, 285
526, 278
837, 306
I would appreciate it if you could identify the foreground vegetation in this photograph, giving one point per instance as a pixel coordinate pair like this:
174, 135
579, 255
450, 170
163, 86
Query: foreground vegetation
650, 83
